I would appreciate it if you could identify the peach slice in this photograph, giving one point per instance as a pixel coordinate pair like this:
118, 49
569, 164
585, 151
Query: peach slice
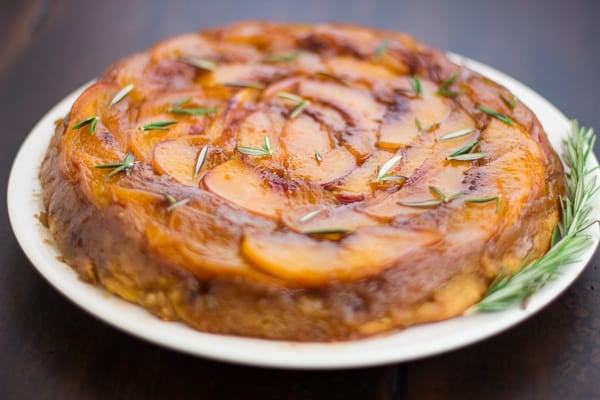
360, 182
177, 158
243, 185
309, 152
357, 104
400, 129
352, 68
307, 261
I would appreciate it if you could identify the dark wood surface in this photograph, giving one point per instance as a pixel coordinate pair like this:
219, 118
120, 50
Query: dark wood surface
49, 348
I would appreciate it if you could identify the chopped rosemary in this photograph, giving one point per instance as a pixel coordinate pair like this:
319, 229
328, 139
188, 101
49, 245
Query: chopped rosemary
158, 126
444, 88
91, 121
174, 204
311, 214
568, 240
193, 111
510, 103
249, 85
496, 115
301, 103
485, 199
282, 57
463, 150
467, 157
430, 128
387, 166
318, 157
265, 150
121, 95
423, 204
328, 231
456, 134
126, 165
200, 160
332, 77
198, 62
381, 49
177, 109
415, 83
442, 196
181, 101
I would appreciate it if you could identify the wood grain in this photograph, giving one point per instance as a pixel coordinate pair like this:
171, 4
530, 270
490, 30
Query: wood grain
50, 349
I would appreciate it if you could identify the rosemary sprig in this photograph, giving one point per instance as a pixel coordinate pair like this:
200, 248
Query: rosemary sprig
444, 88
265, 150
200, 160
91, 121
201, 63
496, 115
415, 83
568, 239
282, 57
386, 167
456, 134
158, 126
121, 95
246, 85
381, 49
126, 165
439, 199
511, 103
301, 103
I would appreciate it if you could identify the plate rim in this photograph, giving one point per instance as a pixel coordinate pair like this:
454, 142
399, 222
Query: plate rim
290, 355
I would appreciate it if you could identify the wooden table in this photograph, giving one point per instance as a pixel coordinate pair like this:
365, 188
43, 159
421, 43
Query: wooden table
49, 348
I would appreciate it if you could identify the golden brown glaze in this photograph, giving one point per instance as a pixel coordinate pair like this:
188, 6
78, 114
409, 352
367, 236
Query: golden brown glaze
238, 257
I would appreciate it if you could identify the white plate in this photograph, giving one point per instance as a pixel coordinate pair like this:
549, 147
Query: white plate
24, 202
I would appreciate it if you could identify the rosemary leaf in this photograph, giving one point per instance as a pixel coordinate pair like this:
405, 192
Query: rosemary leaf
511, 103
200, 160
318, 157
438, 193
456, 134
121, 95
496, 115
159, 125
193, 111
126, 165
415, 82
421, 204
381, 49
248, 85
181, 102
387, 166
311, 214
290, 96
301, 103
332, 77
179, 203
282, 57
444, 90
265, 150
91, 121
328, 231
198, 62
393, 178
464, 149
467, 157
485, 199
418, 124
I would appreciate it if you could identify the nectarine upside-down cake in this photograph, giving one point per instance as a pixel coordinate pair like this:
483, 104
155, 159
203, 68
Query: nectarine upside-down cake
298, 182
